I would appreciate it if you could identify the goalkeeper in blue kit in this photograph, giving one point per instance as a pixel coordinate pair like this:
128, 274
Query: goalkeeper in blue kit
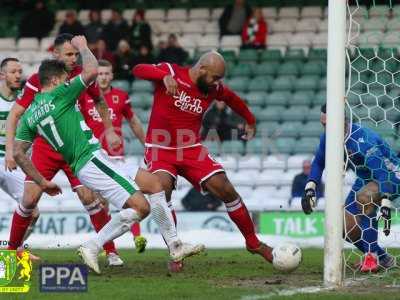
377, 168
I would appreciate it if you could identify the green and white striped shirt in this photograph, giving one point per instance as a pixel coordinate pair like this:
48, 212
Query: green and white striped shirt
5, 107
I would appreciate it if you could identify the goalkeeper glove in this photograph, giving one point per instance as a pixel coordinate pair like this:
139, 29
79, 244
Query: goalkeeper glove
386, 214
309, 200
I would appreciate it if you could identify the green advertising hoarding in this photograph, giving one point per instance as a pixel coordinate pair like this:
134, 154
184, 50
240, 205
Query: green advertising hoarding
298, 225
292, 224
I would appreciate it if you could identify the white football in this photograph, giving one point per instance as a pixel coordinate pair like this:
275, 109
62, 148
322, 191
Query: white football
286, 257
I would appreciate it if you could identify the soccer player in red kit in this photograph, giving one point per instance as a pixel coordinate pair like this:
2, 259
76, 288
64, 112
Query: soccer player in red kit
181, 97
48, 161
119, 108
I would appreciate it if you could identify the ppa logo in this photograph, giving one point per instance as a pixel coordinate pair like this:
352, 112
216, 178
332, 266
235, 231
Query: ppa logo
63, 278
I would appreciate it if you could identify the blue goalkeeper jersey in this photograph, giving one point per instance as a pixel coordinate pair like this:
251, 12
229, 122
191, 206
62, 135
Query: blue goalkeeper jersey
371, 158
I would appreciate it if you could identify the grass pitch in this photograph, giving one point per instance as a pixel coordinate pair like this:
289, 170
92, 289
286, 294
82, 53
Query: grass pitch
220, 274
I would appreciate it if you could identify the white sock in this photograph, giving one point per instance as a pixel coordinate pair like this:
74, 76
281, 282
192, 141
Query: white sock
163, 217
117, 226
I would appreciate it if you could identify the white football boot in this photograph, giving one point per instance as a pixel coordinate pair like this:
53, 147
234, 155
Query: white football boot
178, 250
114, 260
89, 252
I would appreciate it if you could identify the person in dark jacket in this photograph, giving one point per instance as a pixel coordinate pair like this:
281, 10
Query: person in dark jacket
227, 124
143, 56
123, 61
195, 201
234, 17
300, 181
140, 31
173, 53
101, 52
37, 22
115, 30
71, 24
94, 29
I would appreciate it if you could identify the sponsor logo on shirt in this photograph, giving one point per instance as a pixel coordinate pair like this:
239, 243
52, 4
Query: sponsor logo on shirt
96, 116
186, 103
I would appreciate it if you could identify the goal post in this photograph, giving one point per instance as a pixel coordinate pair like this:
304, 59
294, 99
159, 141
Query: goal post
334, 152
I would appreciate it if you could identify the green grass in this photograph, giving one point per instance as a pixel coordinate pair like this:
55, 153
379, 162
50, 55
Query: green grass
220, 274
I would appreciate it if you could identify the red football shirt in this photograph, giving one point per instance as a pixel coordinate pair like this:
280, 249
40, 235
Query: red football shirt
33, 86
175, 121
119, 107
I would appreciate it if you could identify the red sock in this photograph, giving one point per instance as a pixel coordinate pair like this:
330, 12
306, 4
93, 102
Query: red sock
20, 222
135, 229
99, 219
240, 216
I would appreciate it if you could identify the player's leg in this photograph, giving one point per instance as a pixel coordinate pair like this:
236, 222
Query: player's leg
98, 214
220, 186
368, 201
23, 214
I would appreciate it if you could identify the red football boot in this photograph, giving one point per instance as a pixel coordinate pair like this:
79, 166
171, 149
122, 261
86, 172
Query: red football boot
369, 264
264, 250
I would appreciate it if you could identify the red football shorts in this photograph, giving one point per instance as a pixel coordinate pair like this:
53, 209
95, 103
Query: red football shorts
194, 163
48, 162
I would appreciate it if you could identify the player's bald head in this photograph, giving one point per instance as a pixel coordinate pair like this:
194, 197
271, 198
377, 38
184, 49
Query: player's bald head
211, 69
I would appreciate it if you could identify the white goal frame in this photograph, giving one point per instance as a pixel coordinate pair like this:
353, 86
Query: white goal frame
334, 165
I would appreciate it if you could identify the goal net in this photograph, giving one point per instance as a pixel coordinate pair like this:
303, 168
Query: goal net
372, 101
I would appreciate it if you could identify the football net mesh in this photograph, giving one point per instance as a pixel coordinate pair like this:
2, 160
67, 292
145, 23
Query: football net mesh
373, 101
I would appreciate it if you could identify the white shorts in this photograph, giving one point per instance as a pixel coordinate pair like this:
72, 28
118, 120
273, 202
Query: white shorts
125, 166
103, 176
12, 182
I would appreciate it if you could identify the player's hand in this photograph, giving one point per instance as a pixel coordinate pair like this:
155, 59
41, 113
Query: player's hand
250, 131
50, 188
386, 215
170, 84
79, 42
10, 163
113, 140
309, 200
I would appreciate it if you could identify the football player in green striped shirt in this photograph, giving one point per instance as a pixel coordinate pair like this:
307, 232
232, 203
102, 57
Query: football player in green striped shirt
55, 116
11, 181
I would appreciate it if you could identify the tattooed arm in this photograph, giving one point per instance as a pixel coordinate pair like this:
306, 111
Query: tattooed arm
20, 157
89, 61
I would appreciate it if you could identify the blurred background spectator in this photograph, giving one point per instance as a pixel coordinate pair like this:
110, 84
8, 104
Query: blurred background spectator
222, 119
37, 22
254, 34
101, 52
233, 17
115, 30
300, 181
71, 24
195, 201
123, 61
173, 52
143, 56
140, 31
94, 29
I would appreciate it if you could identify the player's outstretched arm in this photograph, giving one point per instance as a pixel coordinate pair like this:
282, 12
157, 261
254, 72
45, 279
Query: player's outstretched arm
149, 72
11, 126
20, 149
89, 61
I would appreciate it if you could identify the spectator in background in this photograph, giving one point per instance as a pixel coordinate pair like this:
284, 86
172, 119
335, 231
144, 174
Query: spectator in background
144, 56
115, 30
71, 24
123, 61
140, 31
173, 52
300, 181
254, 32
94, 29
37, 22
222, 119
233, 18
195, 201
101, 52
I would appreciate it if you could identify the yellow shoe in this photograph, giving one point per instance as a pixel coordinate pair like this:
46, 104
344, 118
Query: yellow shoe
140, 243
